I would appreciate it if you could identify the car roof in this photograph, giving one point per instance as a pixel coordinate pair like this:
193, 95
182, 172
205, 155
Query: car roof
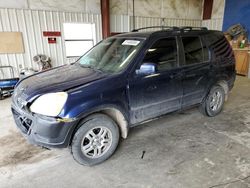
169, 30
135, 34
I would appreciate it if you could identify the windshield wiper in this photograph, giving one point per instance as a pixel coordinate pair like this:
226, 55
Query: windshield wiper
86, 66
91, 67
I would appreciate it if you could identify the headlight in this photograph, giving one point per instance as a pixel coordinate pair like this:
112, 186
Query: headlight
50, 104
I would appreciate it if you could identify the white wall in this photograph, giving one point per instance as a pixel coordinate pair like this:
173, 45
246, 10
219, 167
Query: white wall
171, 9
124, 23
32, 17
87, 6
216, 21
154, 12
32, 23
188, 9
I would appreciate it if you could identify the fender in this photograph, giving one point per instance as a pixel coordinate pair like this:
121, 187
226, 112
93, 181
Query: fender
220, 80
114, 111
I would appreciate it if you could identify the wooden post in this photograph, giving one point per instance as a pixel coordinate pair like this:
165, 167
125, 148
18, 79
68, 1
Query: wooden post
105, 18
207, 9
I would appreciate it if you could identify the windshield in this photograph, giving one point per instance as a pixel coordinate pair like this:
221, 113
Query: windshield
111, 55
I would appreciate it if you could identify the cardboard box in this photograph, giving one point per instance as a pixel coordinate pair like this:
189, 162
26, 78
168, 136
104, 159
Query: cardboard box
228, 37
240, 38
235, 43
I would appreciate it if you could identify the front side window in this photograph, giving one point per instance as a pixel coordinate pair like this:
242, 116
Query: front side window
163, 53
193, 50
111, 55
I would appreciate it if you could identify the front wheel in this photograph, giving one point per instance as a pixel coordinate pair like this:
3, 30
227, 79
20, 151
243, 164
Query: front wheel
96, 140
214, 102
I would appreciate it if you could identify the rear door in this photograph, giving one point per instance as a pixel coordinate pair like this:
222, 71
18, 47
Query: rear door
196, 69
159, 93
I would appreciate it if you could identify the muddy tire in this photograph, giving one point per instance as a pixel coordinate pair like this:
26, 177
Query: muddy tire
96, 140
214, 102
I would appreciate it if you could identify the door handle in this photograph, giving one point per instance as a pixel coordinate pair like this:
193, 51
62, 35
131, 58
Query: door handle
151, 88
178, 75
190, 75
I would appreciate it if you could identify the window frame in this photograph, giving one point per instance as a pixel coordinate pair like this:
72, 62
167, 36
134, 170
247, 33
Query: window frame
153, 42
203, 45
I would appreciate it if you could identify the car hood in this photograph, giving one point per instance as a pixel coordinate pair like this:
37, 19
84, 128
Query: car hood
57, 79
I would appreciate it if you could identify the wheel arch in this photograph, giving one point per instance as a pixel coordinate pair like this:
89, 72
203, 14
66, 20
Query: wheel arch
114, 112
223, 83
119, 118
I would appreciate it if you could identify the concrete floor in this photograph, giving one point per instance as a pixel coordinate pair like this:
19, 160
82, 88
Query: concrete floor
181, 150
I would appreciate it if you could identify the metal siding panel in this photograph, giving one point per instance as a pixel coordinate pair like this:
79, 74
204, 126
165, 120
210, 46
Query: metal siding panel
13, 27
4, 60
62, 19
38, 32
215, 24
32, 23
32, 43
23, 28
53, 50
60, 43
44, 27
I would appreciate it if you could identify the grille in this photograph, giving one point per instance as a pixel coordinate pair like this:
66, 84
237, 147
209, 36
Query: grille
22, 122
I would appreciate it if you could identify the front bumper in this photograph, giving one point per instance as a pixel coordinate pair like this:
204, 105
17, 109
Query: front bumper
42, 130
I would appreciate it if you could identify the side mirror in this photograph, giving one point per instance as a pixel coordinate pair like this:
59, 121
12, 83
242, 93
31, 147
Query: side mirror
146, 69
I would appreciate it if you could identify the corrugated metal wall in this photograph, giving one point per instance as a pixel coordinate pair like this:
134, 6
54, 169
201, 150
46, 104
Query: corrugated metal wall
214, 24
32, 23
145, 22
124, 23
119, 23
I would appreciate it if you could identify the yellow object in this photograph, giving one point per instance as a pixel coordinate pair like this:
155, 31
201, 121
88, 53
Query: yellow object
11, 42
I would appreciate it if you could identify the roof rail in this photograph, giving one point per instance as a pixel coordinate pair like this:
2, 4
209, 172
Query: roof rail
185, 28
152, 27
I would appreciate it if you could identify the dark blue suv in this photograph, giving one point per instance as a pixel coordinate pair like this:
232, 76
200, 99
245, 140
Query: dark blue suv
121, 82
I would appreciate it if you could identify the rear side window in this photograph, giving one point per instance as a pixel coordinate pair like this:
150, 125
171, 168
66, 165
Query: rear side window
163, 53
219, 45
193, 50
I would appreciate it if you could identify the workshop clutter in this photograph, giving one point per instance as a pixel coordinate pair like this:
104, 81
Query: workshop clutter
237, 36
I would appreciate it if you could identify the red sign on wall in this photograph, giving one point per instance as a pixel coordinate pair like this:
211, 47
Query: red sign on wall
51, 40
51, 33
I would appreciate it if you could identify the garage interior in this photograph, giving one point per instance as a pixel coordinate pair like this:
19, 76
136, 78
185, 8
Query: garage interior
182, 149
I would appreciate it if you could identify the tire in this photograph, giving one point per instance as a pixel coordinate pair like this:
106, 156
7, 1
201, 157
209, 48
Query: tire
213, 103
96, 140
1, 95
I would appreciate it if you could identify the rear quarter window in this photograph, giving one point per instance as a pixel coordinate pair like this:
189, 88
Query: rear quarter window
218, 44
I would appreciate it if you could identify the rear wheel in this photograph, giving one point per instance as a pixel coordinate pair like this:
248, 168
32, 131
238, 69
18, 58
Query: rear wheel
96, 140
214, 102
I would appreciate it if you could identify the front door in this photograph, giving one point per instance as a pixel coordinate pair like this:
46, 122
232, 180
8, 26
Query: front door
155, 94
